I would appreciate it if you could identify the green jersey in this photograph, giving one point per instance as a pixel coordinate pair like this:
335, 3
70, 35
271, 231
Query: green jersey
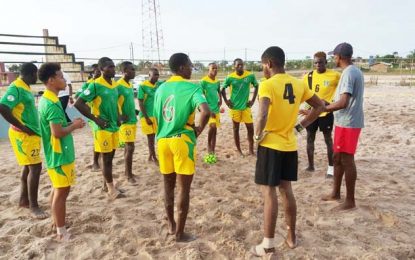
83, 87
21, 102
174, 106
211, 90
126, 101
239, 87
58, 151
146, 92
104, 99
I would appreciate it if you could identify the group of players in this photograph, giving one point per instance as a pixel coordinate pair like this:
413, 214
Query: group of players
167, 114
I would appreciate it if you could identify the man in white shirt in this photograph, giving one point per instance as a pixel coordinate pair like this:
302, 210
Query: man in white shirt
65, 96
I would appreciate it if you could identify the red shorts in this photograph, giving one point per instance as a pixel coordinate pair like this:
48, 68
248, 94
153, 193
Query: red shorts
345, 139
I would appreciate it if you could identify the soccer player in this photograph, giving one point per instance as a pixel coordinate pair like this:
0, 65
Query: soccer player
103, 94
96, 73
280, 97
211, 89
348, 121
146, 92
58, 143
323, 82
17, 106
65, 95
239, 103
174, 108
128, 127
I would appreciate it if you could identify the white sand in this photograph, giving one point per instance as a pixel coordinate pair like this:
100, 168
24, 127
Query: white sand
226, 207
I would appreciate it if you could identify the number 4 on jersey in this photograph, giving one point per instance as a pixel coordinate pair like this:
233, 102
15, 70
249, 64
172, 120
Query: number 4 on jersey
289, 93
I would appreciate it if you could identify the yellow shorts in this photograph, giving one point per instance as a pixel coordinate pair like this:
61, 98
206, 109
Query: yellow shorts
62, 176
176, 154
127, 133
105, 141
26, 147
241, 116
146, 128
215, 120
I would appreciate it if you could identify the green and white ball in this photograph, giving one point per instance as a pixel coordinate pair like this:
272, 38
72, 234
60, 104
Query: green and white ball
210, 158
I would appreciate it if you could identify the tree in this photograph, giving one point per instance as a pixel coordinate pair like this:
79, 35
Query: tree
15, 68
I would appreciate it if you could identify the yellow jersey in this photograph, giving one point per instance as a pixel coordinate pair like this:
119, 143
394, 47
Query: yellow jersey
286, 93
324, 84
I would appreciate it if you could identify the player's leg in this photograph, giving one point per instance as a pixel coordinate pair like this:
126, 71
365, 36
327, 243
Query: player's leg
290, 209
236, 136
311, 136
33, 189
128, 157
250, 135
151, 147
184, 183
107, 159
24, 195
59, 211
169, 186
350, 173
326, 126
212, 138
95, 164
337, 178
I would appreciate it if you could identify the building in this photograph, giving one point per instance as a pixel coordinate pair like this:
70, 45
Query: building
380, 67
6, 77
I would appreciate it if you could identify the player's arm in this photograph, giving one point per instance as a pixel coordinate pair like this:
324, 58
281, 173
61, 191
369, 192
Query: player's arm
261, 121
255, 84
226, 84
203, 119
85, 110
59, 131
6, 112
343, 102
317, 107
220, 98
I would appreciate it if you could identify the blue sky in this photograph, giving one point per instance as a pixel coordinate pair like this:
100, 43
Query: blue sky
212, 30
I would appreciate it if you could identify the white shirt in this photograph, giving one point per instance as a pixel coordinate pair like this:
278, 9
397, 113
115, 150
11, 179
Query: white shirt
65, 92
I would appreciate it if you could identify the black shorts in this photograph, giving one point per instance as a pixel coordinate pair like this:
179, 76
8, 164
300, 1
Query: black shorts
325, 123
273, 166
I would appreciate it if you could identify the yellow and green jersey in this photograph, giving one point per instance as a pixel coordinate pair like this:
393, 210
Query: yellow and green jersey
83, 87
58, 151
324, 84
211, 89
104, 99
174, 107
126, 101
240, 88
146, 92
285, 93
20, 100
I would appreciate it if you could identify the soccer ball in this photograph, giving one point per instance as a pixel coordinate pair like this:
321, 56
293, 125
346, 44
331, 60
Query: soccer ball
210, 158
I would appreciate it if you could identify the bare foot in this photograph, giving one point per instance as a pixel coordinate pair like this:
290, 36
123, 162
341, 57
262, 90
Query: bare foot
131, 179
347, 205
291, 240
310, 169
63, 238
330, 197
38, 213
172, 228
115, 195
185, 237
95, 168
24, 203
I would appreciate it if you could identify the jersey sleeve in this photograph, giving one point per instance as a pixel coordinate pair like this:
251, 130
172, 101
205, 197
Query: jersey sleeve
227, 82
264, 90
141, 93
307, 92
346, 83
11, 98
54, 114
198, 98
254, 82
83, 87
89, 93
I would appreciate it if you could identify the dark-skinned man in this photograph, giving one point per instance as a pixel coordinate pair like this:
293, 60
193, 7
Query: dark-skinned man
348, 122
96, 73
211, 89
239, 83
18, 108
103, 94
128, 126
323, 82
174, 108
280, 96
146, 92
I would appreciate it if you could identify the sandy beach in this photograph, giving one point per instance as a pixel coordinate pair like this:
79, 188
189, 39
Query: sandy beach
226, 206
